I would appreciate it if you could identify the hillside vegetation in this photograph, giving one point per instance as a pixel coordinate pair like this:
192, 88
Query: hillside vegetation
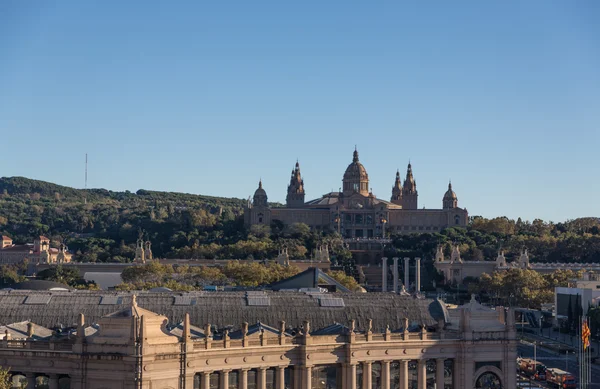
103, 225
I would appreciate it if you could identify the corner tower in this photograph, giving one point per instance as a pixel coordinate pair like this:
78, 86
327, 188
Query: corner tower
356, 179
409, 191
295, 191
397, 190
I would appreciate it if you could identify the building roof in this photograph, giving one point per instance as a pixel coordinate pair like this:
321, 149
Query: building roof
222, 309
19, 331
19, 248
4, 237
39, 285
310, 278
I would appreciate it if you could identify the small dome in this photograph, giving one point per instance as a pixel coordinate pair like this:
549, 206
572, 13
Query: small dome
260, 191
356, 170
450, 195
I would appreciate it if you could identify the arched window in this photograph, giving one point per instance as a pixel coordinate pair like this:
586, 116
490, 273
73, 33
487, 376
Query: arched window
456, 219
488, 380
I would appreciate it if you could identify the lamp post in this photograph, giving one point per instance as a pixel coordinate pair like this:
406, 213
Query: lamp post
338, 220
383, 220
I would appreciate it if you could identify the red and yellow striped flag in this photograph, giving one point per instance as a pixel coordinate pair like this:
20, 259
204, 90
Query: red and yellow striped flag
585, 335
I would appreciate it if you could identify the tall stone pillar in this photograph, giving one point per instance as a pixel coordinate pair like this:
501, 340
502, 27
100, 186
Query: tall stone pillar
349, 374
385, 375
30, 380
418, 275
53, 381
244, 379
367, 375
422, 374
395, 272
404, 374
307, 378
280, 384
407, 273
262, 378
206, 380
439, 373
224, 379
384, 274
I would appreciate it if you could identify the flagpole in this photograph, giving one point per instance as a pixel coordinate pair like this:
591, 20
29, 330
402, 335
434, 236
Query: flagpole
581, 354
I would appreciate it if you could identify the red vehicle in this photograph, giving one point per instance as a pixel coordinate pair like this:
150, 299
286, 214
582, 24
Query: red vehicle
533, 369
560, 379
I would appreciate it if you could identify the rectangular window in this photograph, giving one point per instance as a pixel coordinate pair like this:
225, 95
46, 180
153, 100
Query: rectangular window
214, 380
376, 375
234, 380
359, 376
325, 377
252, 379
270, 379
358, 219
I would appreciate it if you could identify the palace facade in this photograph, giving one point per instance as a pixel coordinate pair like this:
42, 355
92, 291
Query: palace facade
354, 211
37, 252
257, 340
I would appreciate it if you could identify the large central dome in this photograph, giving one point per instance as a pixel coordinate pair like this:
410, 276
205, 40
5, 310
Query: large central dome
356, 179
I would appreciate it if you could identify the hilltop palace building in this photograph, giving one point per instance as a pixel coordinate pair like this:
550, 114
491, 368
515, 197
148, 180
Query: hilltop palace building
354, 211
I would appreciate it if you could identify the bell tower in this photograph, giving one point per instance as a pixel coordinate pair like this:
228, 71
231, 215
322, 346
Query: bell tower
409, 191
397, 190
295, 191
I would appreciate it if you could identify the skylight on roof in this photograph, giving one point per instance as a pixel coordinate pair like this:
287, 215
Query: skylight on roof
38, 299
184, 300
258, 301
111, 300
331, 302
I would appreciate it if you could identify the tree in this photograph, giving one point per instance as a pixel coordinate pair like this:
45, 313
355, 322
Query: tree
5, 378
69, 276
346, 280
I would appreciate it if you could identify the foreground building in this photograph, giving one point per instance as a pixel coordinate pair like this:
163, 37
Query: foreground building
295, 340
354, 211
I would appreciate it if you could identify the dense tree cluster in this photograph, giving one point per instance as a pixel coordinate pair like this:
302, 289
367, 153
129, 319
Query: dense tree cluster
521, 287
102, 226
105, 227
572, 241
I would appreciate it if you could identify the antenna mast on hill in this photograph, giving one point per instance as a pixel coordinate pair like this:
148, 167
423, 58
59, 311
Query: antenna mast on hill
85, 187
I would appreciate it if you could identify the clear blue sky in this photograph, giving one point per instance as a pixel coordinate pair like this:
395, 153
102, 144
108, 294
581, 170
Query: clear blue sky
206, 97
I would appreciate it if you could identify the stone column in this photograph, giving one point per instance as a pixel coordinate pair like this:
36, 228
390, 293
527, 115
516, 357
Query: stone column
206, 379
307, 378
422, 374
280, 384
30, 380
224, 379
244, 379
53, 381
262, 378
395, 273
367, 375
407, 273
439, 373
385, 375
418, 275
384, 274
404, 374
350, 376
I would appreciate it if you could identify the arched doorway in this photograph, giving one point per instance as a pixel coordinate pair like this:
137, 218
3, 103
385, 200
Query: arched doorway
488, 380
18, 381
